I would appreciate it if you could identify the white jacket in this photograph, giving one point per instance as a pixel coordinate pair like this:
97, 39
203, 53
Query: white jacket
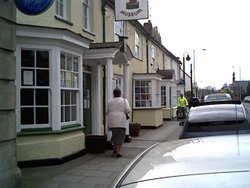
116, 112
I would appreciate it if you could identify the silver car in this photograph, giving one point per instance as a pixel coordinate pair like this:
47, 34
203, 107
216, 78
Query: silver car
219, 118
217, 97
207, 162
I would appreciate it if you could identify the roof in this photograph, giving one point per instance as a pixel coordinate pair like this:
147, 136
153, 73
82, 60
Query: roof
167, 73
216, 112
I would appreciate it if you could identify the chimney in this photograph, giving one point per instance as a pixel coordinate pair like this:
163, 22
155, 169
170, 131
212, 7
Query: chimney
148, 27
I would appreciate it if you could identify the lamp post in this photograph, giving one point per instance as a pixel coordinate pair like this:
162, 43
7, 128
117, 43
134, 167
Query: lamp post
195, 85
185, 57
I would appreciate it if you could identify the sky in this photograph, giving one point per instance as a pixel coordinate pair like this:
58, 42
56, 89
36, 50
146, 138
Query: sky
219, 26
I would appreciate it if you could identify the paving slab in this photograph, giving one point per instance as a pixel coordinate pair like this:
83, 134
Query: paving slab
97, 170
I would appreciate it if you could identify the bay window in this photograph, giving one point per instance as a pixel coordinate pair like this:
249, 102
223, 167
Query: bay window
147, 92
69, 87
35, 88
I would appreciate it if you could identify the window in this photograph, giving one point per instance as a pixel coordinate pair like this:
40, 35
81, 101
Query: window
119, 30
68, 106
86, 15
137, 46
70, 86
143, 97
153, 57
61, 8
163, 96
35, 87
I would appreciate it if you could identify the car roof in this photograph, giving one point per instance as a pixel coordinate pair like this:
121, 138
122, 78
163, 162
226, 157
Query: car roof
217, 161
216, 112
217, 97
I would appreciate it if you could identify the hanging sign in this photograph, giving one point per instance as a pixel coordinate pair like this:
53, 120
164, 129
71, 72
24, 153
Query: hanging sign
131, 9
33, 7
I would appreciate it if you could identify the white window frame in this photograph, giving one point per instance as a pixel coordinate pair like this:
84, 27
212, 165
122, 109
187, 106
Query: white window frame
149, 95
137, 45
62, 9
86, 15
119, 29
163, 95
31, 84
153, 57
70, 83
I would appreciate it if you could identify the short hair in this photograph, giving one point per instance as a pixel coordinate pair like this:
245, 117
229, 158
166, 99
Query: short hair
117, 92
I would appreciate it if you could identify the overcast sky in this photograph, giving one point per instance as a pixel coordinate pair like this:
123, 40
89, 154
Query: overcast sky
222, 27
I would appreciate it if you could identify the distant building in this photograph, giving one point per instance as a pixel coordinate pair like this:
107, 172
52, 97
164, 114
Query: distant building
238, 88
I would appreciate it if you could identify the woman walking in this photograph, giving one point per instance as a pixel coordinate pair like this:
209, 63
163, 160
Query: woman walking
117, 109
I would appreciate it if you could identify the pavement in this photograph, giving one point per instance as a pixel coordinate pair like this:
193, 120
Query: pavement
97, 170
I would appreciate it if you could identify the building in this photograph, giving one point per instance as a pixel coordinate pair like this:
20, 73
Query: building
68, 61
238, 88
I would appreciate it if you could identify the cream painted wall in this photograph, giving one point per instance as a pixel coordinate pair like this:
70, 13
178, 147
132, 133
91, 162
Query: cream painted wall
48, 19
148, 117
50, 146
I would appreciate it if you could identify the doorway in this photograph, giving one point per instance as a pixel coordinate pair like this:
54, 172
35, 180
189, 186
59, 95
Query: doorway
87, 103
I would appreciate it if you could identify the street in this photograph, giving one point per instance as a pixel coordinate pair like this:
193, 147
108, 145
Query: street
97, 170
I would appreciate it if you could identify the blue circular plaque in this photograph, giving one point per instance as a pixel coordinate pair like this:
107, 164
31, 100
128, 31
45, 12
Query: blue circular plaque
33, 7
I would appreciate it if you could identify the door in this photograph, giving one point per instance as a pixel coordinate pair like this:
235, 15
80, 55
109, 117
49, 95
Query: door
87, 103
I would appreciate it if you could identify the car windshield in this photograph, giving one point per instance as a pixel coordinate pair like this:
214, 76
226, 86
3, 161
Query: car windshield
217, 126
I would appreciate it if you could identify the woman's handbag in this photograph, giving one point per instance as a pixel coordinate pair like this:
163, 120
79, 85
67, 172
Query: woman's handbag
127, 116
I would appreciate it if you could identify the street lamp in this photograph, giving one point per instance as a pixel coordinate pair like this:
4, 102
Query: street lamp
187, 57
195, 85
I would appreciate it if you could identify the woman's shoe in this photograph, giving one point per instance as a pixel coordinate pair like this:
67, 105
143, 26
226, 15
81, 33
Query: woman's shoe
118, 155
113, 153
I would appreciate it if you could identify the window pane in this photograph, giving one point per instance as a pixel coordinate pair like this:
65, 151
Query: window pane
42, 115
27, 97
68, 79
67, 113
63, 61
62, 97
73, 113
62, 114
67, 97
75, 64
27, 116
63, 79
42, 97
42, 78
42, 59
75, 81
27, 58
69, 62
73, 97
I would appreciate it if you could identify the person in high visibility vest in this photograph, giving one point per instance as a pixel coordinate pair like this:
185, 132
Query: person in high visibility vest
182, 105
182, 101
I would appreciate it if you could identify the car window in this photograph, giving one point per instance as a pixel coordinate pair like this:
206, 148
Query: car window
217, 126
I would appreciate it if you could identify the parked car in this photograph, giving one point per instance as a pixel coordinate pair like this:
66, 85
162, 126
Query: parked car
247, 99
217, 118
211, 162
217, 97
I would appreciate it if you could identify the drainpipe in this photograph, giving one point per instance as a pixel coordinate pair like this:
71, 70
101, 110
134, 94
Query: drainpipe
104, 68
147, 55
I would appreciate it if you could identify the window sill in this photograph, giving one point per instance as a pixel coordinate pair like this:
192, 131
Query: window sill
46, 131
63, 20
147, 108
89, 32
